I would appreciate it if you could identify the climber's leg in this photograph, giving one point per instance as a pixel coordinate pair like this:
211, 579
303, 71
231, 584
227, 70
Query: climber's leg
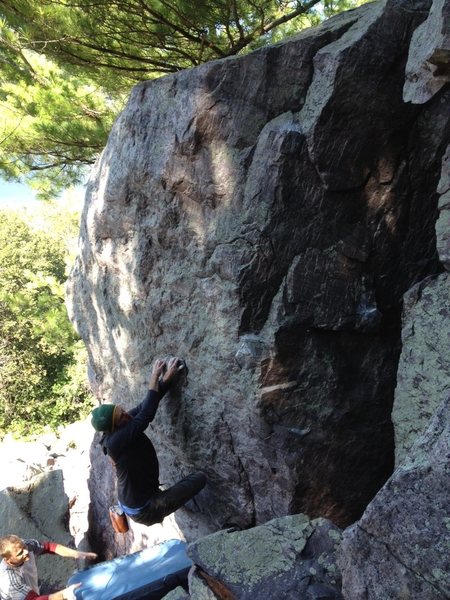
168, 501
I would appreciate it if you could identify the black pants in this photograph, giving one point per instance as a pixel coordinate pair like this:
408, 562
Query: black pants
166, 502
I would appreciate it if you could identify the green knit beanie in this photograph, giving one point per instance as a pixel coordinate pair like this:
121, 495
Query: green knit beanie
102, 417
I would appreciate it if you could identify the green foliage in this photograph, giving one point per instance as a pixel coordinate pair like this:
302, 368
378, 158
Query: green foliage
66, 66
131, 40
52, 123
42, 363
331, 7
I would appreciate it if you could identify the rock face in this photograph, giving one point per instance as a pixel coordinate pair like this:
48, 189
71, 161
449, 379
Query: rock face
285, 558
428, 68
443, 222
400, 548
423, 380
263, 216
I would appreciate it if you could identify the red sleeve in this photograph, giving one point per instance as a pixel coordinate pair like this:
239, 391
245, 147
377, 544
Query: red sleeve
49, 548
33, 596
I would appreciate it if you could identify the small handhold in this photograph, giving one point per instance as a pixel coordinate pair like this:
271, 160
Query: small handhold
299, 432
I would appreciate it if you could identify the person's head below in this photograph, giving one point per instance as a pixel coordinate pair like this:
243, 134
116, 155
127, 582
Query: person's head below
13, 550
109, 417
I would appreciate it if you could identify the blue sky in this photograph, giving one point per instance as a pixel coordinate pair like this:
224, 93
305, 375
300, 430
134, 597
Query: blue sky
20, 195
15, 194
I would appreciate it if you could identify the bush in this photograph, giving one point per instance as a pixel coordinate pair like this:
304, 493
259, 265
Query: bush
42, 361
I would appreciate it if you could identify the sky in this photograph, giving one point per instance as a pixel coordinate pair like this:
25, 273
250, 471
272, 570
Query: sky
20, 195
14, 194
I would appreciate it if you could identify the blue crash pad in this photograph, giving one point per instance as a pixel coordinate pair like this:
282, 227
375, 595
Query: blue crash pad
146, 575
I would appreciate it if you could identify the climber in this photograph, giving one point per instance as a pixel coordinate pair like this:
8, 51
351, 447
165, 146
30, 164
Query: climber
134, 457
18, 572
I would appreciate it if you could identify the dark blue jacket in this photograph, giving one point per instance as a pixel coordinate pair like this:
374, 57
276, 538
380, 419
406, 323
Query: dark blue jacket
133, 454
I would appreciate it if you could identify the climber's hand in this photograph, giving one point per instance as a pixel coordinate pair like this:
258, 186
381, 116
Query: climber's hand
157, 370
173, 369
87, 555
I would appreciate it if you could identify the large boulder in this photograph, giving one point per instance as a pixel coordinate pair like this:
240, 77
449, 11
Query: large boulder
263, 216
400, 548
286, 557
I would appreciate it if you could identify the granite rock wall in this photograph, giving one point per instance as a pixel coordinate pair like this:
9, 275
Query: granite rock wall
399, 548
263, 216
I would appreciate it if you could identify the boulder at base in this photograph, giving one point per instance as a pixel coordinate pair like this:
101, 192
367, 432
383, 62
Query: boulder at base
286, 556
400, 549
